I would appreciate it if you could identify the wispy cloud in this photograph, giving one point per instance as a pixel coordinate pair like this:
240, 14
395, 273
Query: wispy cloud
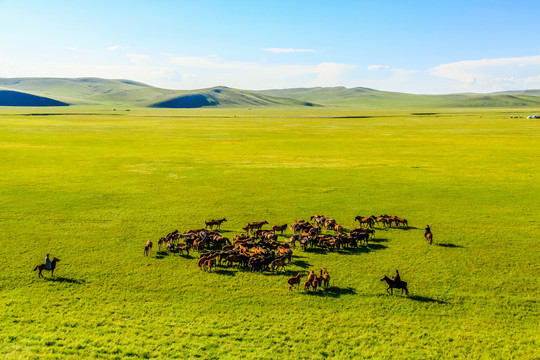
287, 50
492, 74
378, 67
252, 75
117, 47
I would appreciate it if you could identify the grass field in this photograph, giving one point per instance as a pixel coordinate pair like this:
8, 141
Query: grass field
91, 186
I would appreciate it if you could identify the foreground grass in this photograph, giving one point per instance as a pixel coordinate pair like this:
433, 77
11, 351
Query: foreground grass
92, 186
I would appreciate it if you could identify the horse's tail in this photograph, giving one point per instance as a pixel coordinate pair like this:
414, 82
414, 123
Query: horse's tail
36, 268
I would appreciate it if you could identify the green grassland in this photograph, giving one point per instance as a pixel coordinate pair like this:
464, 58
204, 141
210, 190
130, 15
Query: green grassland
91, 186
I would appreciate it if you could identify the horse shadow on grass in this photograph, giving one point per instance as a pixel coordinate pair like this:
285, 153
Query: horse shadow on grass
448, 245
378, 240
425, 299
162, 254
225, 272
301, 263
406, 228
287, 273
363, 249
66, 280
332, 291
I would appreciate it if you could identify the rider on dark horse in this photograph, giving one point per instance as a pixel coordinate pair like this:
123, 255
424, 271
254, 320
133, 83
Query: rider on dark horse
428, 231
48, 263
397, 278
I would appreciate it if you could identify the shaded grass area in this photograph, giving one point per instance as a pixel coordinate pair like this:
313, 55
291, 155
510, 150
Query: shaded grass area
91, 189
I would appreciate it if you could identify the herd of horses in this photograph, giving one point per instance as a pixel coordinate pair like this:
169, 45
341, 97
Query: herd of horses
313, 281
259, 250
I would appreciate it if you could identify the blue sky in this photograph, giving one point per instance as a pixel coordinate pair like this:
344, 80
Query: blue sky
408, 46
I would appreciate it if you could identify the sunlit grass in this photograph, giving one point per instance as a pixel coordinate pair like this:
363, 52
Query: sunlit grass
90, 189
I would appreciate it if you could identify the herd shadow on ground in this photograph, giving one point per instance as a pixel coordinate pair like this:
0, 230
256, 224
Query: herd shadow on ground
352, 251
332, 291
163, 254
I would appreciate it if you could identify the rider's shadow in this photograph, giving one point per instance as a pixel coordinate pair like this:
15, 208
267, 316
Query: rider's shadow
61, 279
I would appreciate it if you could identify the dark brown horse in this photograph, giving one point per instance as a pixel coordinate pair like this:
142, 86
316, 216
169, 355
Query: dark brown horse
42, 267
395, 285
429, 237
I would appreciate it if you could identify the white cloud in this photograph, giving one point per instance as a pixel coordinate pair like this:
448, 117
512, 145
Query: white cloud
212, 70
378, 67
113, 48
331, 74
492, 74
287, 50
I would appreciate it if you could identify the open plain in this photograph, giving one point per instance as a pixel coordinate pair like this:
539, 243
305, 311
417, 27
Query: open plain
90, 186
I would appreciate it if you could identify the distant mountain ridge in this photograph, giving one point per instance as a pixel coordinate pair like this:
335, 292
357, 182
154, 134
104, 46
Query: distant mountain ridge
119, 92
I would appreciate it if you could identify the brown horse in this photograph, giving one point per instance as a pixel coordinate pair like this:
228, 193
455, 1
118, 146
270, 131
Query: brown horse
395, 285
42, 267
147, 247
219, 222
281, 228
326, 278
401, 221
295, 280
368, 221
429, 237
183, 248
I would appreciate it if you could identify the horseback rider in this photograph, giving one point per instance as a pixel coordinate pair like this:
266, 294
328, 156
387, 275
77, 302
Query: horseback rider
397, 278
48, 263
428, 231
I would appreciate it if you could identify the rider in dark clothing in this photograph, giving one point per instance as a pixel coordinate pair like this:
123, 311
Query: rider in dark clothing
428, 230
397, 278
48, 263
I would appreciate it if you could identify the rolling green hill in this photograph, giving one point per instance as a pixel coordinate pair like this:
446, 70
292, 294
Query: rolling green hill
119, 93
224, 96
17, 98
374, 99
89, 91
95, 91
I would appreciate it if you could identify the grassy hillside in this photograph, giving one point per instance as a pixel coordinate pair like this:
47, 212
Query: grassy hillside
17, 98
122, 93
89, 91
374, 99
226, 97
90, 188
125, 93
